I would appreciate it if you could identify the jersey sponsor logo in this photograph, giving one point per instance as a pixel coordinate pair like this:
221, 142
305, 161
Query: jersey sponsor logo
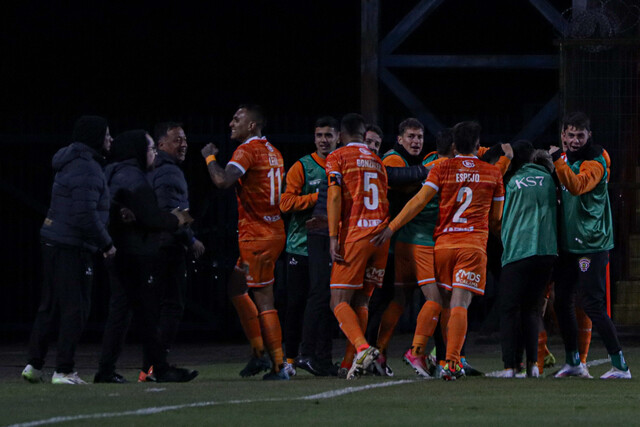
373, 274
367, 223
584, 264
273, 160
468, 164
365, 151
467, 177
468, 278
315, 182
271, 218
529, 181
335, 178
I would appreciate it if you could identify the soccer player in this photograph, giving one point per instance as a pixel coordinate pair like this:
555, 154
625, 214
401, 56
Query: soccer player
257, 168
413, 246
471, 196
586, 236
529, 237
356, 198
373, 137
300, 196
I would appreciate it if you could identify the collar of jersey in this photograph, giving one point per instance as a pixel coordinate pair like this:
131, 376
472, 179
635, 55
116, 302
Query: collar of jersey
466, 157
262, 138
359, 144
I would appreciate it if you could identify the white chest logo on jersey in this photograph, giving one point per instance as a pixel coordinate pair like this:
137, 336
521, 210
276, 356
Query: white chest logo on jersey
584, 264
468, 164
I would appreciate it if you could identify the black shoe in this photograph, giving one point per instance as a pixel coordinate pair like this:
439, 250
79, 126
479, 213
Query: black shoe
109, 377
327, 367
310, 365
175, 375
256, 365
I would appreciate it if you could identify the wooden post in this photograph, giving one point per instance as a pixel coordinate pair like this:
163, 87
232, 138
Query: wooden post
370, 13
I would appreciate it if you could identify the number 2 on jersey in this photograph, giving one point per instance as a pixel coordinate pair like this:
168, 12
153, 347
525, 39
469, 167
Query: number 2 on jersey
273, 174
371, 203
467, 194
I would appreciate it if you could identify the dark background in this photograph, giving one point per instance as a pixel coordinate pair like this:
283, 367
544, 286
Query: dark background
138, 63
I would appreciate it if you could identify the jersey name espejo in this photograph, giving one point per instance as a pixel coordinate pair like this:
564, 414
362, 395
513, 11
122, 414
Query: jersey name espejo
467, 187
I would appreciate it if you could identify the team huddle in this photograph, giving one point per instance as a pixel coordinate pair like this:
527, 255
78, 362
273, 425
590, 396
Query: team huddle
352, 213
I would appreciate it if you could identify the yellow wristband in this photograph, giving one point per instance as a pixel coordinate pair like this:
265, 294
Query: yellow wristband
210, 158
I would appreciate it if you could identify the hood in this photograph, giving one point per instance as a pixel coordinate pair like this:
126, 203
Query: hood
131, 144
163, 158
90, 130
589, 151
72, 152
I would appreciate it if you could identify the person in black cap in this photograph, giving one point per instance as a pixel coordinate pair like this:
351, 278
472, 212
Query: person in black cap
133, 285
74, 229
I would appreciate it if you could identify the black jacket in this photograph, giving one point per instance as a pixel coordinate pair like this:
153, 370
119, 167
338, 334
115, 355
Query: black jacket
79, 209
129, 187
170, 186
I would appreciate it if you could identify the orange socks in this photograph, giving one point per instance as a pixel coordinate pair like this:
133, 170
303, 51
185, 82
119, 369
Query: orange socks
388, 323
425, 325
584, 334
542, 349
248, 314
272, 333
456, 332
444, 322
350, 322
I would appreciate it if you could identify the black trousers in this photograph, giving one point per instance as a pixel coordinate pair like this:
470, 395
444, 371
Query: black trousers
171, 276
65, 303
133, 292
297, 286
581, 278
522, 285
319, 322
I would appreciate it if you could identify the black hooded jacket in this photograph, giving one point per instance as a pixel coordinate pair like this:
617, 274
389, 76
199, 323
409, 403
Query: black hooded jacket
79, 209
129, 188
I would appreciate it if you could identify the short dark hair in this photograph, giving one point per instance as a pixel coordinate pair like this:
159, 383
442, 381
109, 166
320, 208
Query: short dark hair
353, 124
444, 140
328, 121
257, 114
577, 119
375, 129
162, 128
410, 123
465, 135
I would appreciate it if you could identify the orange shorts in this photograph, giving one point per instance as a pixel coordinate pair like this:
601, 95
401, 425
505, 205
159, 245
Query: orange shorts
463, 268
257, 260
363, 266
413, 264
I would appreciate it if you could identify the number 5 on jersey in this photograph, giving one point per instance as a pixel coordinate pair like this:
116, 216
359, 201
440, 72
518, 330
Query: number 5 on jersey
371, 202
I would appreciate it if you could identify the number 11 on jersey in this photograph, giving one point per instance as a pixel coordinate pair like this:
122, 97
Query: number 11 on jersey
273, 175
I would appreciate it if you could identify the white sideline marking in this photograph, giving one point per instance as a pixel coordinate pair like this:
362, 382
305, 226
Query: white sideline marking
597, 362
155, 410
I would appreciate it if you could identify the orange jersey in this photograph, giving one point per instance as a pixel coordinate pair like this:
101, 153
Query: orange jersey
363, 181
467, 188
258, 191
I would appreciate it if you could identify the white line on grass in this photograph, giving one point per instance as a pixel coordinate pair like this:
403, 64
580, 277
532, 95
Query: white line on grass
156, 410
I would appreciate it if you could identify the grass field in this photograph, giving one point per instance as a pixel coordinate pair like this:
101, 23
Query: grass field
220, 397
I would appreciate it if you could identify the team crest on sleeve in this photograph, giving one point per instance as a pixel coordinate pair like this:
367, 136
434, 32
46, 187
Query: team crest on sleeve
584, 264
468, 164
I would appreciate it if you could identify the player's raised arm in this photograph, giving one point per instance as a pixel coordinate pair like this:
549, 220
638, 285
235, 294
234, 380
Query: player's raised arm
222, 178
